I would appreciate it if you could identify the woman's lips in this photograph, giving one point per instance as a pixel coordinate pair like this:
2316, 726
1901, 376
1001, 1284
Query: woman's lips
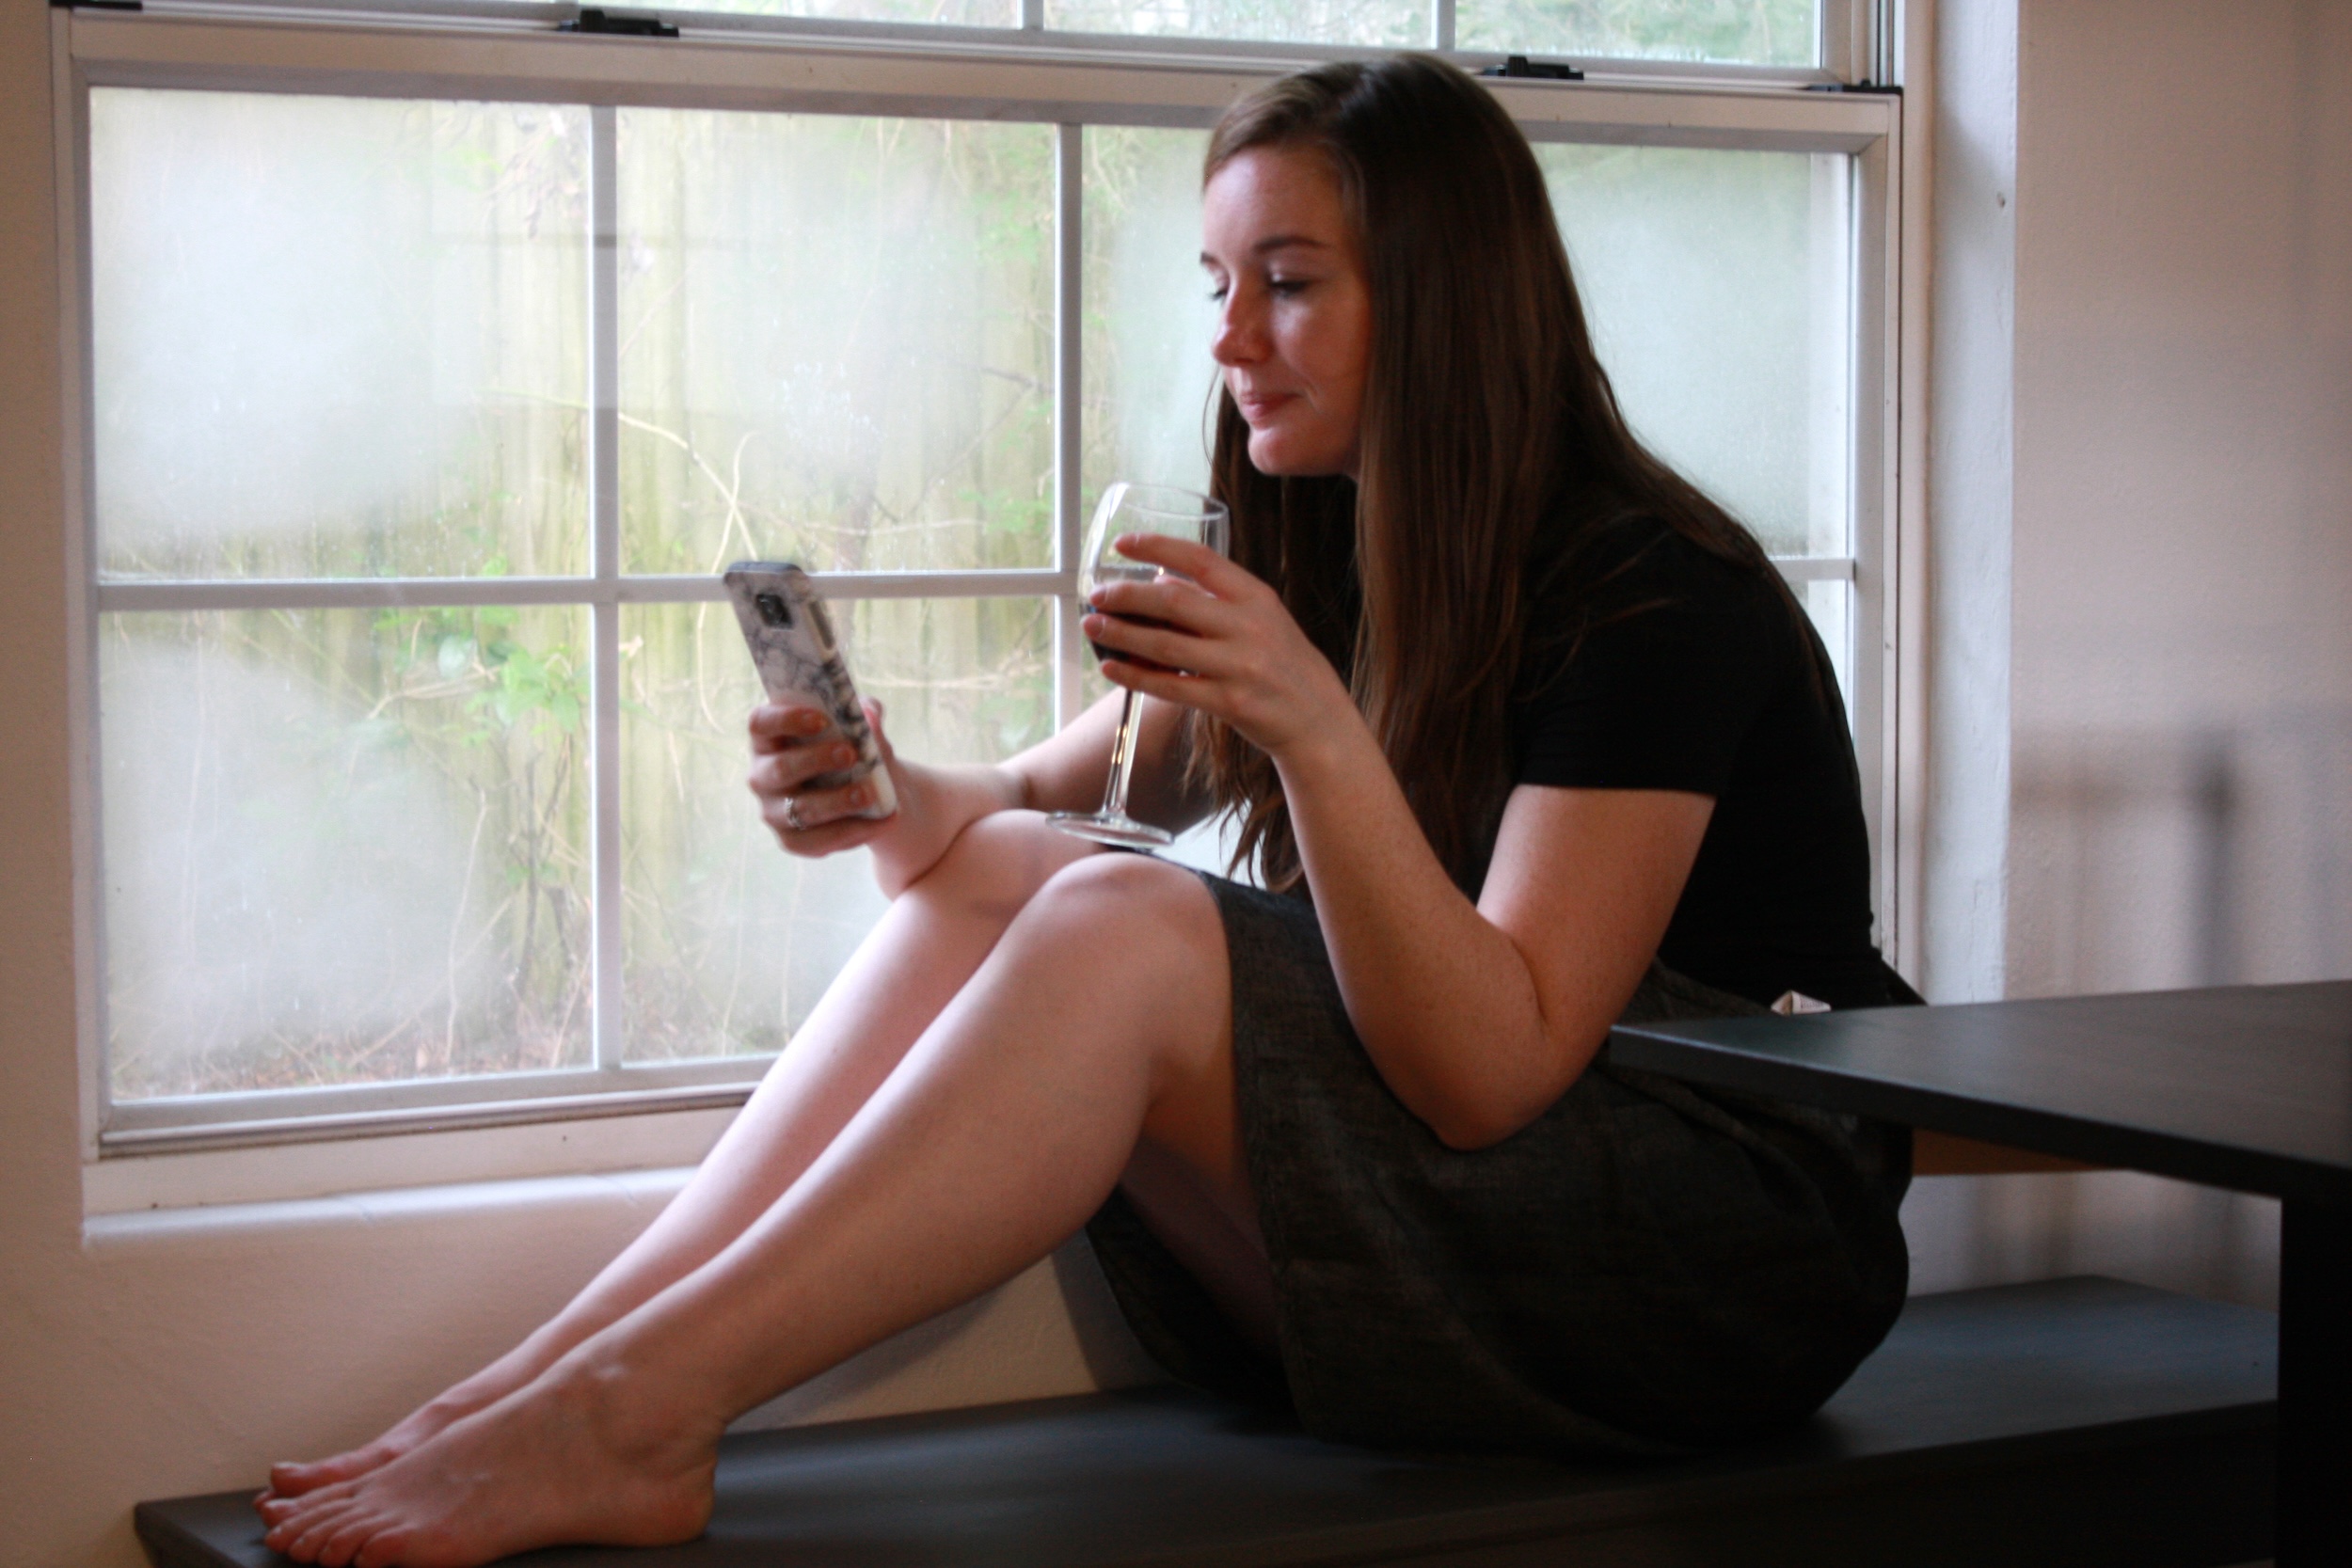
1256, 407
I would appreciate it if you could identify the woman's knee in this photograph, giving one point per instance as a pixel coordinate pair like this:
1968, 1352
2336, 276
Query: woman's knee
998, 862
1142, 943
1152, 919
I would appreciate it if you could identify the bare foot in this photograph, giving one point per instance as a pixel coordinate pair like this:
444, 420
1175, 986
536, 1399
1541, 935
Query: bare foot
428, 1420
575, 1458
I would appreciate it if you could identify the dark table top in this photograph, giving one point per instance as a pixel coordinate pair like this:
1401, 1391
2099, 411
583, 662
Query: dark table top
2241, 1087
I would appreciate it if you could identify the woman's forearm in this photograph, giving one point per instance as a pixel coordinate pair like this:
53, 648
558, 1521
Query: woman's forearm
1064, 772
1069, 771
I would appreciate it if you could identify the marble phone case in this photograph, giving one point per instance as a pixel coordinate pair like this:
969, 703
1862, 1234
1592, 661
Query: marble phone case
791, 636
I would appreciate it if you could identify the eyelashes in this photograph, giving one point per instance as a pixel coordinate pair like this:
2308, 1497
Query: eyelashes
1282, 288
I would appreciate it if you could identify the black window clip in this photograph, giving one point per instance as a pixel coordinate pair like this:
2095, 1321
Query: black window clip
96, 5
619, 25
1520, 68
1876, 89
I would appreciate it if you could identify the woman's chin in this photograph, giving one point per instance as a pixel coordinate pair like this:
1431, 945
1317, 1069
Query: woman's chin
1278, 458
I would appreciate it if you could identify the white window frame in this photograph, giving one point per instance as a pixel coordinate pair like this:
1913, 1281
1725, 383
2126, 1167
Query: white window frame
463, 50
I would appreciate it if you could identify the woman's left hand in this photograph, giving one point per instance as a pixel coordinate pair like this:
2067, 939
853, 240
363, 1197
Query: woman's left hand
1228, 646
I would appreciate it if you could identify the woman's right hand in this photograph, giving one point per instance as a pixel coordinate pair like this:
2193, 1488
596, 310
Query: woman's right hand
792, 745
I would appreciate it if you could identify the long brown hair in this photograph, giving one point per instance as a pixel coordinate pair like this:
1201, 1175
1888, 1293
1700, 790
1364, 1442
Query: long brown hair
1491, 452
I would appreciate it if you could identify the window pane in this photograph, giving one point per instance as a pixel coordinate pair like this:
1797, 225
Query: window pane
952, 13
1148, 375
1715, 282
342, 846
1716, 285
1753, 32
337, 337
837, 342
1395, 24
729, 940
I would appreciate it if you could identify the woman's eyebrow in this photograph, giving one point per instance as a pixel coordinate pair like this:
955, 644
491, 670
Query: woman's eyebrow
1277, 242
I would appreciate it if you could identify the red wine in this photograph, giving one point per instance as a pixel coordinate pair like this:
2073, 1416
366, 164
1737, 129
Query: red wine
1102, 653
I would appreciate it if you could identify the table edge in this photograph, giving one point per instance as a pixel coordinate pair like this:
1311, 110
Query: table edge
1654, 1048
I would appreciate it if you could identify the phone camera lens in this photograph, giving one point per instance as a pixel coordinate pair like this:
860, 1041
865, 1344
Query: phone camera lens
772, 609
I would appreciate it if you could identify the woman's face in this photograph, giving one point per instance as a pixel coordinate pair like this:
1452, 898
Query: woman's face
1294, 328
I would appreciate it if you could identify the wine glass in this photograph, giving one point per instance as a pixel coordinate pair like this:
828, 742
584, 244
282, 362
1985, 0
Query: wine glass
1134, 509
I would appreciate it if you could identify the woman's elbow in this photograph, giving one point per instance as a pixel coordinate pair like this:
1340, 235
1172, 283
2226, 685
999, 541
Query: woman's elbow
1467, 1134
1484, 1115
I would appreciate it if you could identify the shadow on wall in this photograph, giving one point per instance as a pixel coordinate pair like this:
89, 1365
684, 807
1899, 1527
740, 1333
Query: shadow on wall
2151, 860
2144, 860
1971, 1230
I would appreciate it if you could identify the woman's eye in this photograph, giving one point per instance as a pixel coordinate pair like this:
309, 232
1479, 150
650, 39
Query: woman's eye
1287, 286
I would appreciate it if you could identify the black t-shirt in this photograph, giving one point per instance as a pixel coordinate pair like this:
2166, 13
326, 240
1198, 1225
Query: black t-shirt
1695, 676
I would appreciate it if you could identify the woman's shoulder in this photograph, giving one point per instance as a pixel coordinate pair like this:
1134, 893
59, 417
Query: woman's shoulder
1648, 665
1624, 564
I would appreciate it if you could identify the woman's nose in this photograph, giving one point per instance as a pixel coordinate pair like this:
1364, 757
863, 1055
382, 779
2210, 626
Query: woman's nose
1238, 339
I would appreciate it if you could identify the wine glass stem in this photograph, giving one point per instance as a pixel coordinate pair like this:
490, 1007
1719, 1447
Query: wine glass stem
1123, 757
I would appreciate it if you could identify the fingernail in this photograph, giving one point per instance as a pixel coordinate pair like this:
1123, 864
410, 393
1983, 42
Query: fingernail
808, 723
860, 795
841, 756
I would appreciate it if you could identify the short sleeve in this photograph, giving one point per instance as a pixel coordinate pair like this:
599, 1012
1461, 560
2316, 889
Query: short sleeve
1664, 690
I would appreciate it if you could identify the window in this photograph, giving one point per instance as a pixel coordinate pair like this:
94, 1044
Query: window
430, 379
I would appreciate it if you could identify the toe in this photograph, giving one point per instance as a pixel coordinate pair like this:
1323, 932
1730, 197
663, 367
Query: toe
279, 1511
384, 1549
344, 1542
310, 1535
291, 1478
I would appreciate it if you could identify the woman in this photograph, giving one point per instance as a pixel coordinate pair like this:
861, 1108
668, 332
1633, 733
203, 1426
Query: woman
1508, 712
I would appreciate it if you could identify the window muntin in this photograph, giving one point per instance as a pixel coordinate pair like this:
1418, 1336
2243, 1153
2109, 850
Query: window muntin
659, 1070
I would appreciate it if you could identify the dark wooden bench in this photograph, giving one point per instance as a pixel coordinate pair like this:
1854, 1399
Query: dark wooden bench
2078, 1422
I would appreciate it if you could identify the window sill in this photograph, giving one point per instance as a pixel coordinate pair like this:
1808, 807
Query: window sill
335, 1168
147, 1229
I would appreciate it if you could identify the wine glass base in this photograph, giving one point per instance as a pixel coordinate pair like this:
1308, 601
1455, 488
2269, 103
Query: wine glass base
1123, 833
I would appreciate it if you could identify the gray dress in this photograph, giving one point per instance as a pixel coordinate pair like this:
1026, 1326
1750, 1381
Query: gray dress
1644, 1270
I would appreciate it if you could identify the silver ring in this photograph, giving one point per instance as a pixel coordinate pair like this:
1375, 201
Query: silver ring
792, 814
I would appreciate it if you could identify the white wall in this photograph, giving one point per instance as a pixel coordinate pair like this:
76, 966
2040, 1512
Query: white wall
1963, 98
2176, 713
2178, 652
2182, 667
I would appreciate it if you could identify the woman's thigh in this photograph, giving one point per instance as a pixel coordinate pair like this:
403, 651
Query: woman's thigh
1149, 935
1142, 939
923, 950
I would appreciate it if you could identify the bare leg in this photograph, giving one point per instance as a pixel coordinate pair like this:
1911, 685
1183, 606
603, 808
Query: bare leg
1101, 1018
927, 946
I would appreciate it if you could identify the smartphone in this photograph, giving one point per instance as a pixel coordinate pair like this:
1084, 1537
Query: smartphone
791, 640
